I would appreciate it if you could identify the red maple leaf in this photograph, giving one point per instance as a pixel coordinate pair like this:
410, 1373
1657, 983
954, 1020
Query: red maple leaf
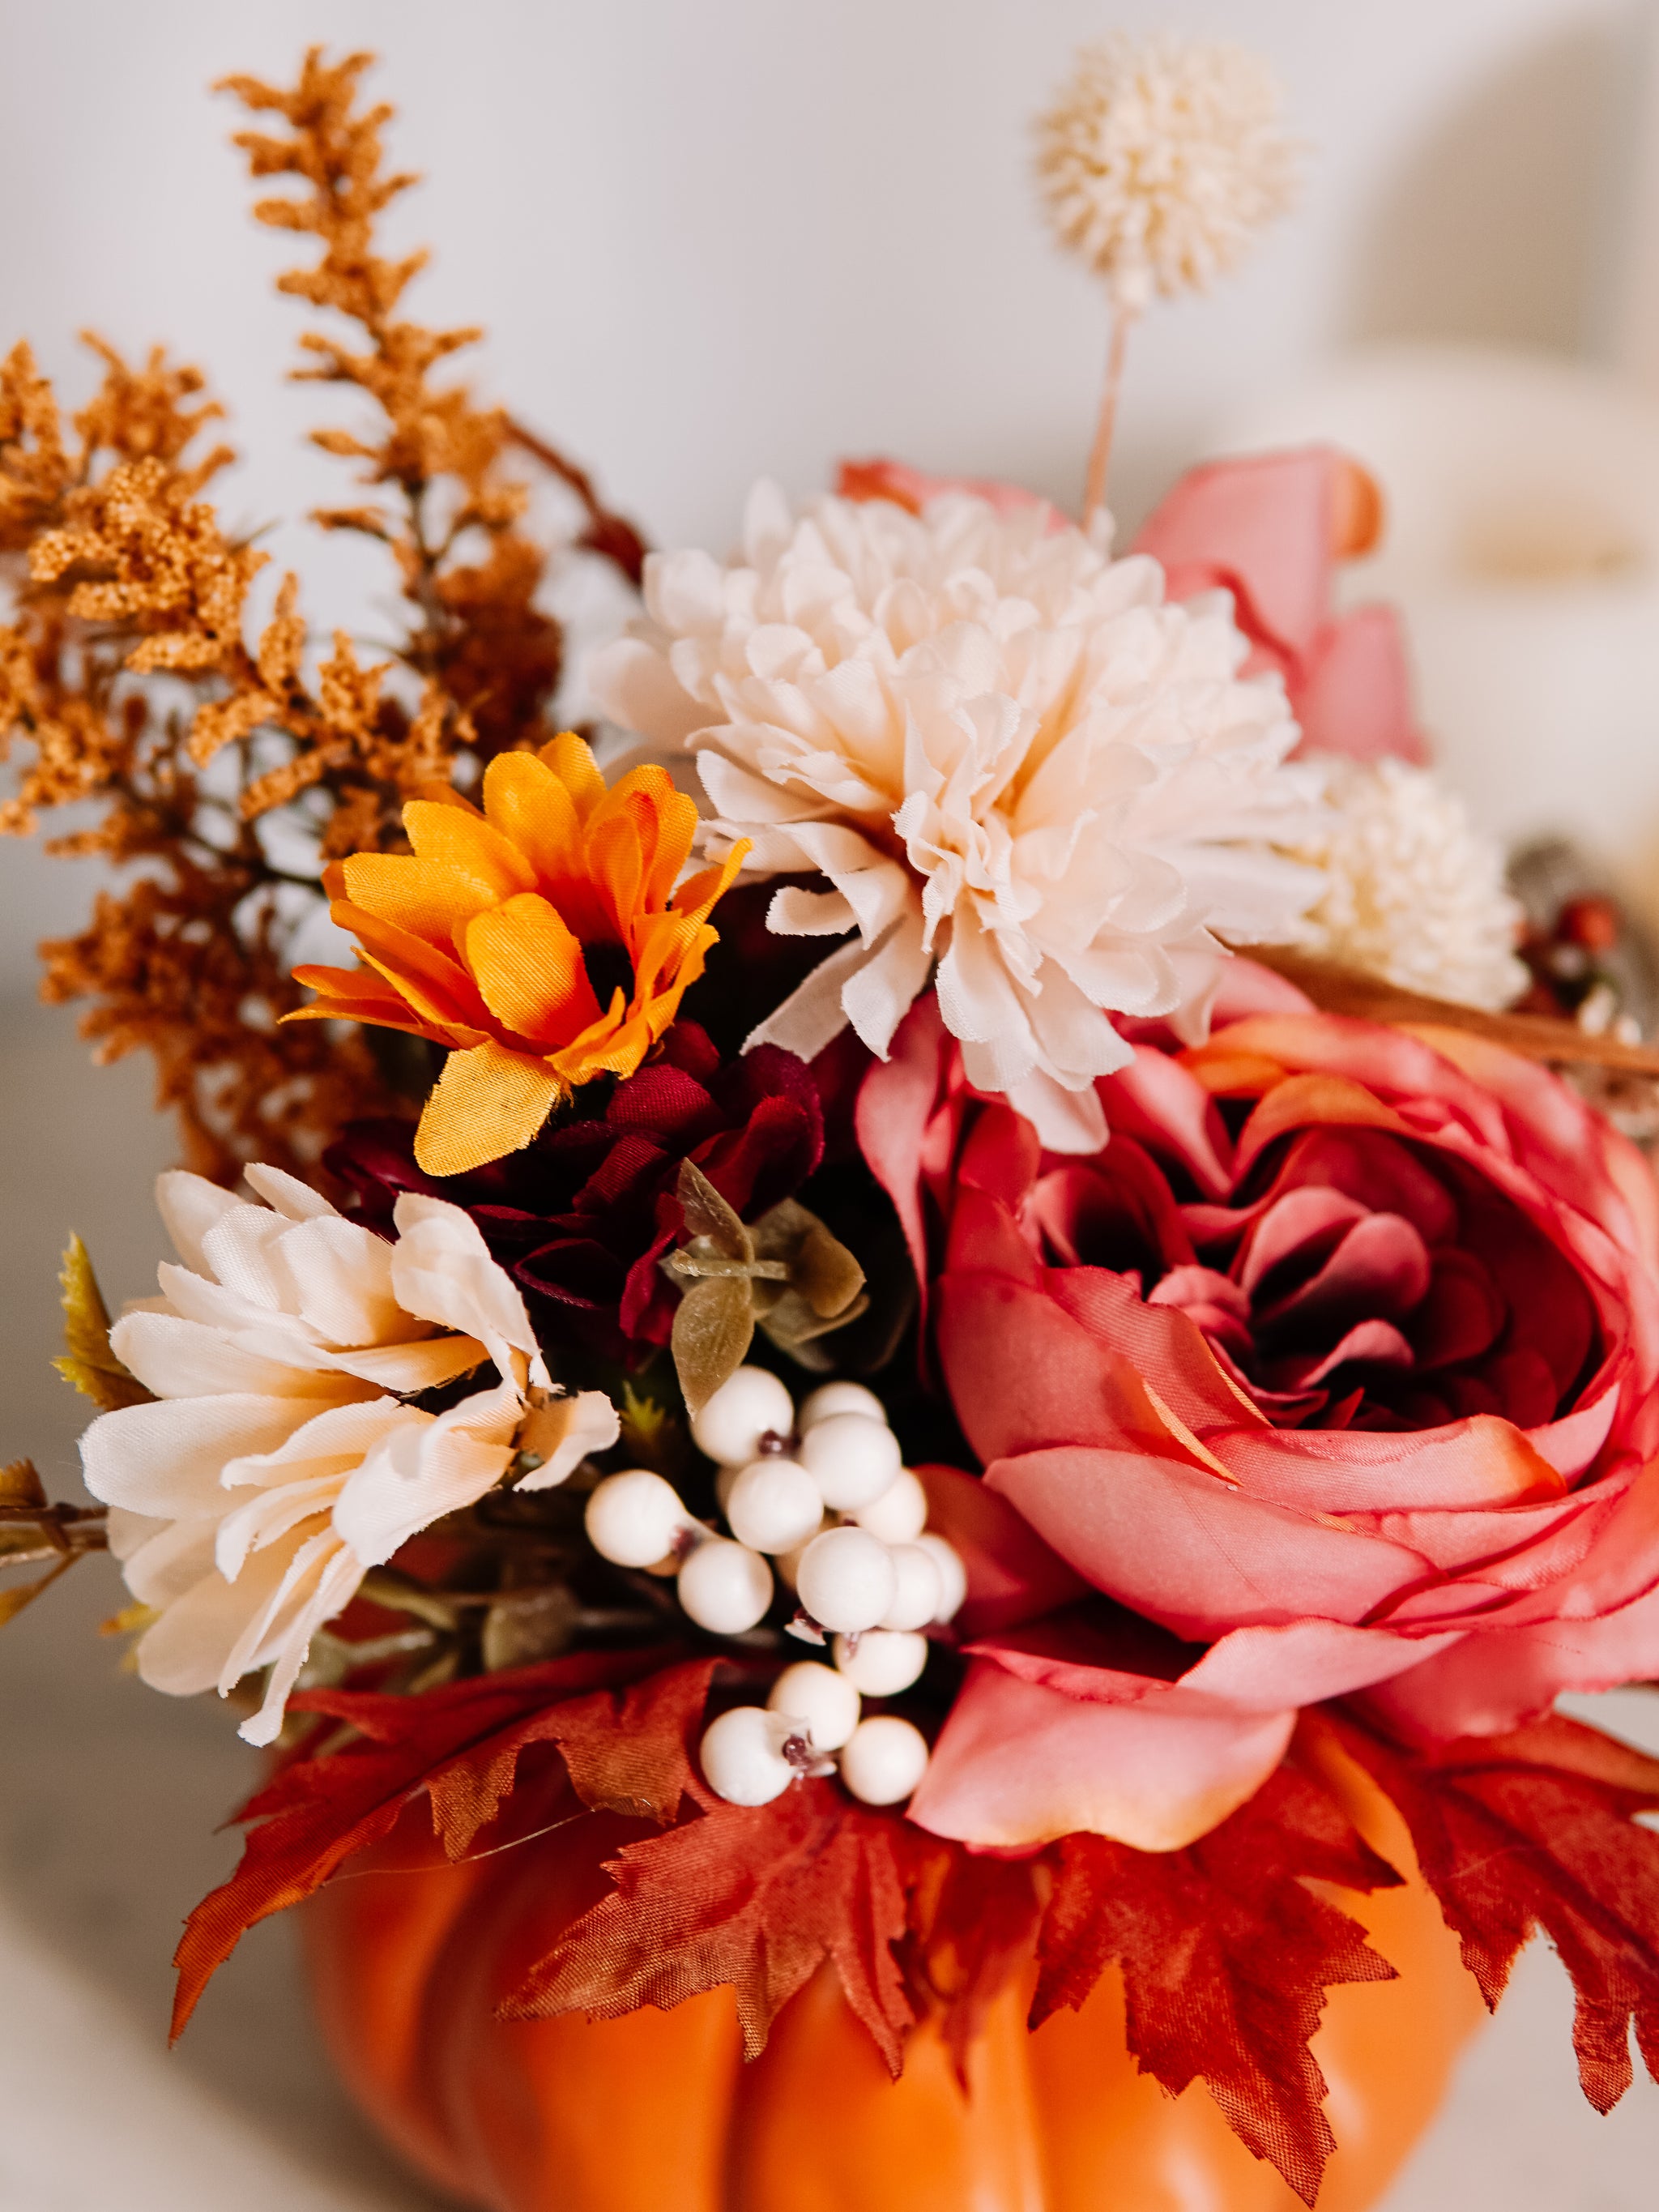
1226, 1957
622, 1723
1533, 1830
974, 1922
757, 1896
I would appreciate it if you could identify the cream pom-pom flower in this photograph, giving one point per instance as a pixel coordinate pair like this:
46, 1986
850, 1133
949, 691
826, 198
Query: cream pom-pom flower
1027, 778
278, 1460
1414, 893
1160, 159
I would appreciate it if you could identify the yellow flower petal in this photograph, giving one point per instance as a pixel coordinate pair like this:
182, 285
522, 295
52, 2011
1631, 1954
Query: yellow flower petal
461, 839
527, 801
488, 1103
528, 966
425, 897
572, 761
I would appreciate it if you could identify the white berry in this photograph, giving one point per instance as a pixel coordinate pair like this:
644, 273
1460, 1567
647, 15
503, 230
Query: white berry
774, 1505
917, 1595
845, 1580
786, 1565
884, 1760
952, 1575
748, 1406
725, 1587
883, 1661
851, 1458
742, 1756
900, 1514
633, 1519
824, 1702
839, 1398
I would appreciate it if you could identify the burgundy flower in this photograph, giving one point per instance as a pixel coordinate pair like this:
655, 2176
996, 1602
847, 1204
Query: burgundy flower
581, 1218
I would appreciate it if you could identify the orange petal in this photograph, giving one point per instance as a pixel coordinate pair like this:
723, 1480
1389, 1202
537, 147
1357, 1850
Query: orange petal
615, 861
528, 967
487, 1103
529, 805
356, 994
663, 821
698, 893
423, 896
611, 1046
572, 761
464, 841
435, 985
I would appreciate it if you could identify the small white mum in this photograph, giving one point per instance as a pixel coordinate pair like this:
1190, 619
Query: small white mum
279, 1459
1414, 893
1028, 780
1160, 160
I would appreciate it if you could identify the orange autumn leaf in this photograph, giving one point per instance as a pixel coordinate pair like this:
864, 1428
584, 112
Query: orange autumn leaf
489, 936
624, 1725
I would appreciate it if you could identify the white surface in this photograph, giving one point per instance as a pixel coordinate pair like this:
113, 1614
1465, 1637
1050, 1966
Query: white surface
740, 237
112, 1793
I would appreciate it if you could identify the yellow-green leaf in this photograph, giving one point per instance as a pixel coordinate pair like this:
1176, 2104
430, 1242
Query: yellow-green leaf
87, 1360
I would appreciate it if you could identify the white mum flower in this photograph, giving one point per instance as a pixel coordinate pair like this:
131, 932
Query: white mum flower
1025, 775
275, 1466
1161, 159
1414, 893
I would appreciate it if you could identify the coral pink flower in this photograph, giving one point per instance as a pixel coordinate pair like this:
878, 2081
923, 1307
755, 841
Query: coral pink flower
1271, 529
1334, 1371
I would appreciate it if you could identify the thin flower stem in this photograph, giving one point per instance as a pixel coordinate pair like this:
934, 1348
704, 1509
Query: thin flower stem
1100, 457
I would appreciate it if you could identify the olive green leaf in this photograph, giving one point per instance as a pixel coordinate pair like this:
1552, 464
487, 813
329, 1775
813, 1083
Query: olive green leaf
714, 1326
87, 1360
787, 1275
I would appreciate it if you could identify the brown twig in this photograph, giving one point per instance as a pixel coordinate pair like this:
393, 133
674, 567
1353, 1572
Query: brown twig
1340, 990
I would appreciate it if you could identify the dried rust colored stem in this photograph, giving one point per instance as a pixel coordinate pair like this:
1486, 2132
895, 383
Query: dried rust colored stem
1340, 990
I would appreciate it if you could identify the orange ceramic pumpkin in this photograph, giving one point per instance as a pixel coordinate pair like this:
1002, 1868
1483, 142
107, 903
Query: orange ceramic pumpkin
658, 2110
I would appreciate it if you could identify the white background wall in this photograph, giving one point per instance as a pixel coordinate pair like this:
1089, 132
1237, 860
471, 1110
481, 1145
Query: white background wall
717, 239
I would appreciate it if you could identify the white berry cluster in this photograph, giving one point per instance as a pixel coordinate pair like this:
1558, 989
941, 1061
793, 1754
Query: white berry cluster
819, 1496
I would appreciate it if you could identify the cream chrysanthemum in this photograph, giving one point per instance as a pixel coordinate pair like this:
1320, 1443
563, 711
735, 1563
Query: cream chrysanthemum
275, 1465
1414, 893
1161, 159
1025, 775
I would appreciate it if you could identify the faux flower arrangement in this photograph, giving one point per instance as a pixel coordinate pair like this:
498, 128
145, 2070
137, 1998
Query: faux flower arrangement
800, 1335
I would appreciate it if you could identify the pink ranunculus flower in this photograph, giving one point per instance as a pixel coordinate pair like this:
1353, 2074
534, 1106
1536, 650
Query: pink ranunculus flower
1273, 530
1333, 1372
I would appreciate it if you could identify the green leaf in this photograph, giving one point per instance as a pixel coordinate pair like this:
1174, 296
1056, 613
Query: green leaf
644, 1428
87, 1360
706, 1215
713, 1327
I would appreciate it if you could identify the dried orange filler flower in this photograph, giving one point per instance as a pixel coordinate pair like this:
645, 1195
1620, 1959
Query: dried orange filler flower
491, 937
227, 768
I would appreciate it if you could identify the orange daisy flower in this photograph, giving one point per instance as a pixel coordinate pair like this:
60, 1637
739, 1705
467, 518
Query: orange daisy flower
490, 937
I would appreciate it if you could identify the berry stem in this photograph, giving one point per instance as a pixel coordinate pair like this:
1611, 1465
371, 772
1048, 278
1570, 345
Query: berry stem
1100, 455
